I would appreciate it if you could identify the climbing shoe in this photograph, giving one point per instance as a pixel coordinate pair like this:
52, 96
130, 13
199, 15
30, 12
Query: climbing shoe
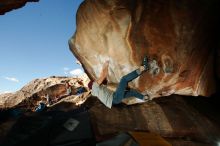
145, 63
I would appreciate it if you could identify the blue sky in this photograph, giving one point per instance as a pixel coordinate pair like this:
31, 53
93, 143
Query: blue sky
34, 42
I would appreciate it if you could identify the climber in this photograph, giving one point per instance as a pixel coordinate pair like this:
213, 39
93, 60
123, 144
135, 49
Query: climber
109, 97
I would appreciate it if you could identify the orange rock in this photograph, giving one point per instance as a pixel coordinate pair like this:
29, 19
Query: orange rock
177, 34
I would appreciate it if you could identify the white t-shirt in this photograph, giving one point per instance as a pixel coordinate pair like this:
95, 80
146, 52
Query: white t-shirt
68, 91
103, 93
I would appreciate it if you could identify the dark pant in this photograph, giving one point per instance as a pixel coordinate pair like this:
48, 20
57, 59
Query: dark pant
121, 91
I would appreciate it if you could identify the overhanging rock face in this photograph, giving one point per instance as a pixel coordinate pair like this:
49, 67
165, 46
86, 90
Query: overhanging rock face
178, 34
8, 5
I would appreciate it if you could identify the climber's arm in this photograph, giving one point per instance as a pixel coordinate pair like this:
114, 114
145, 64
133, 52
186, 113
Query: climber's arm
104, 73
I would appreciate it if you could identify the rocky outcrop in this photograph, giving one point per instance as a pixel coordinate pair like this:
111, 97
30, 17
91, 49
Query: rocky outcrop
33, 92
177, 34
193, 121
8, 5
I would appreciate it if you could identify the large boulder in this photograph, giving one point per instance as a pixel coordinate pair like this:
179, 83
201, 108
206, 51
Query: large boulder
177, 34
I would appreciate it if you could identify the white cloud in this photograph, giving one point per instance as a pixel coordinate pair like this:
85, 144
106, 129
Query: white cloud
12, 79
66, 68
3, 92
76, 72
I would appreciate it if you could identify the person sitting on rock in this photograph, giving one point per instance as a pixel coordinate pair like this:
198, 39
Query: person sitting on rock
68, 89
48, 99
108, 97
80, 90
